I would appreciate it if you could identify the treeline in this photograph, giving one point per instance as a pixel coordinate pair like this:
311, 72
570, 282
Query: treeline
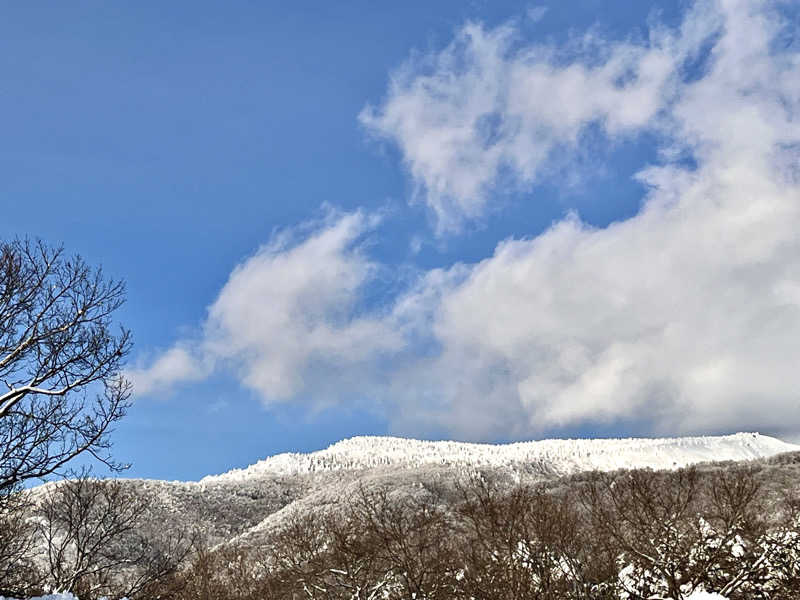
639, 534
635, 535
94, 538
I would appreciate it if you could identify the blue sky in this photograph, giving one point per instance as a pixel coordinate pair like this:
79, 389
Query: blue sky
483, 221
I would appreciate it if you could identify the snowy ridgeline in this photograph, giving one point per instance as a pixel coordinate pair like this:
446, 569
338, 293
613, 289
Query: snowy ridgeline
561, 456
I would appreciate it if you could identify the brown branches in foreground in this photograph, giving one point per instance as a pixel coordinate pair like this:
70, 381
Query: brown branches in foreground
632, 535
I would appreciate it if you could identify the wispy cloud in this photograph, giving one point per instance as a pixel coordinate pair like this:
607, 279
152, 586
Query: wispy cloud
179, 364
287, 314
489, 105
286, 318
536, 13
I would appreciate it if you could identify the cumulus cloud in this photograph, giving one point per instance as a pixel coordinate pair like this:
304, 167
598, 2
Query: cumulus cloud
290, 310
489, 105
287, 316
683, 318
177, 364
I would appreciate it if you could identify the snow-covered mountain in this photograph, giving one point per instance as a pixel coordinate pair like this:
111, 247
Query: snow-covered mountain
251, 508
559, 457
247, 505
256, 508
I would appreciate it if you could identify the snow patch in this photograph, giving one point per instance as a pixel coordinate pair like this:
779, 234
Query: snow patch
59, 596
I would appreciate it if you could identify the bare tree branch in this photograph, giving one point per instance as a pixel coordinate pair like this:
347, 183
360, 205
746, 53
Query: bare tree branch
60, 361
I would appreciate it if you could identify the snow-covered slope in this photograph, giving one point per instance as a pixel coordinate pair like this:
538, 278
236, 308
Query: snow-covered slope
556, 456
246, 506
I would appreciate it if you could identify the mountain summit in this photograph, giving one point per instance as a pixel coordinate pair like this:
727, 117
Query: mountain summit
559, 457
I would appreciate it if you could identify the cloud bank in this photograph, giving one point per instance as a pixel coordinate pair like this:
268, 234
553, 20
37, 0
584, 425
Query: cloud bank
683, 318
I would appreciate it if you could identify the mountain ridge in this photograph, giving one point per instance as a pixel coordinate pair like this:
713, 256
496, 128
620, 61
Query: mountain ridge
564, 456
248, 507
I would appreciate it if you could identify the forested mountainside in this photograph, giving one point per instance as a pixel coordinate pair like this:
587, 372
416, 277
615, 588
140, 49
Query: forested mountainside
301, 515
246, 502
223, 507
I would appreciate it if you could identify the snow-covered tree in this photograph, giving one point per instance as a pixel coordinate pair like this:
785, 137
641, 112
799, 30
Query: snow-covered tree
60, 361
98, 541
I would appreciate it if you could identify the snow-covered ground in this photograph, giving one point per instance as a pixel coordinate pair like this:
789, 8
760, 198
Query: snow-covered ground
62, 596
562, 456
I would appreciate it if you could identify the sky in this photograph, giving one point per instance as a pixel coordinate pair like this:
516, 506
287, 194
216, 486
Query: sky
481, 221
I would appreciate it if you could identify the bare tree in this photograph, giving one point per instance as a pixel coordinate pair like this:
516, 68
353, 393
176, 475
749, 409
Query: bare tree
18, 573
301, 553
411, 536
687, 530
651, 517
331, 556
379, 543
227, 573
734, 554
784, 541
97, 541
60, 361
155, 558
498, 558
82, 522
527, 543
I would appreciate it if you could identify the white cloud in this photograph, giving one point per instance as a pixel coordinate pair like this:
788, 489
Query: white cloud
288, 315
176, 365
289, 311
683, 318
536, 13
488, 105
